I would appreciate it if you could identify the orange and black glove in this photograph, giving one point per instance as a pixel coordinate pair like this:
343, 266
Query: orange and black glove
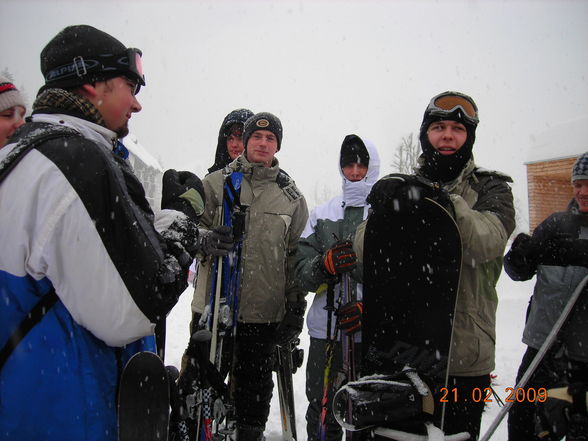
340, 258
349, 317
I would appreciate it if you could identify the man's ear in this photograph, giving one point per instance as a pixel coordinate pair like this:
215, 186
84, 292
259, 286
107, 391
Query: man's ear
88, 90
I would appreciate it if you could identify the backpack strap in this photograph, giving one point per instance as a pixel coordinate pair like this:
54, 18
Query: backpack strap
22, 148
40, 133
288, 186
31, 319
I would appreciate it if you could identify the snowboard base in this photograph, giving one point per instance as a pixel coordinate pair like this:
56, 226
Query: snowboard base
143, 399
412, 261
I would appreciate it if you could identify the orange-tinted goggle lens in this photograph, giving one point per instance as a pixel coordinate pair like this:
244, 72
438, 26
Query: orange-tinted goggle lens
451, 102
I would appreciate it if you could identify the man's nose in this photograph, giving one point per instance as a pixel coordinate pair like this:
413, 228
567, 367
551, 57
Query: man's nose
137, 105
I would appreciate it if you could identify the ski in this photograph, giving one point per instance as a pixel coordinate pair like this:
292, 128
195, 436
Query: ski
288, 360
178, 428
329, 357
220, 318
539, 356
144, 399
348, 349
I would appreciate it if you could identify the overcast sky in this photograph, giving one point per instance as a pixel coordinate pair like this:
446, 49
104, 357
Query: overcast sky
330, 68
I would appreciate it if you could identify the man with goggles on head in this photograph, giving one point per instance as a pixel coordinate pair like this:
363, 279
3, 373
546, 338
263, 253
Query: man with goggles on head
484, 212
87, 62
85, 276
485, 216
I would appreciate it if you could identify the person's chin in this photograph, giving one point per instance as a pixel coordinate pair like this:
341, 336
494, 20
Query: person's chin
122, 131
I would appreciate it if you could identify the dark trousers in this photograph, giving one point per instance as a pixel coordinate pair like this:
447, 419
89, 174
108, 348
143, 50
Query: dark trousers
255, 353
464, 414
252, 383
315, 370
553, 370
521, 417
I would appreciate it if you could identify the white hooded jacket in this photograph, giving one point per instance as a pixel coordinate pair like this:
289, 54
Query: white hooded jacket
335, 220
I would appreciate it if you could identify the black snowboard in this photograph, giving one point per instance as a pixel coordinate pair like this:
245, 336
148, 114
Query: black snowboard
412, 259
143, 399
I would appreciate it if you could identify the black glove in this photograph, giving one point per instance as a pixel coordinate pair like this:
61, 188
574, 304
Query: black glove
425, 361
551, 417
563, 250
349, 317
520, 263
291, 325
216, 242
183, 191
182, 241
402, 194
340, 258
179, 244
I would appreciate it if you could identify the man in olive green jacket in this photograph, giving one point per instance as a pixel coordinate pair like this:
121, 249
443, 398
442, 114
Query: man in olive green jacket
485, 216
271, 306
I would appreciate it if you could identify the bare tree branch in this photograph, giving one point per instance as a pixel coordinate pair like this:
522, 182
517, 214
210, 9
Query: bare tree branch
406, 156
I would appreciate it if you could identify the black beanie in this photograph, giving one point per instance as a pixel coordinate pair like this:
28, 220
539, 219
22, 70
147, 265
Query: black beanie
353, 150
82, 54
262, 121
446, 168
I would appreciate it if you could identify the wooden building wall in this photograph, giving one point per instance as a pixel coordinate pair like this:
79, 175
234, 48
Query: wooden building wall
549, 188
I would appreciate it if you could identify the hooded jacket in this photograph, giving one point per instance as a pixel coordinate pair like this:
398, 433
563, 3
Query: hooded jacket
274, 221
221, 156
337, 218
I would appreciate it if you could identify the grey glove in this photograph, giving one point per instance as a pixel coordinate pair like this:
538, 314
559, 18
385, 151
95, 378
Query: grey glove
216, 242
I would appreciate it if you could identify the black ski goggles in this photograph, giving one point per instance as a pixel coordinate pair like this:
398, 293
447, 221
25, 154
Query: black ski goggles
446, 103
97, 67
135, 66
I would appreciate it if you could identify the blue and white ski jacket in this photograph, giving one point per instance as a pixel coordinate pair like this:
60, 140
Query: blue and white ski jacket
73, 217
336, 219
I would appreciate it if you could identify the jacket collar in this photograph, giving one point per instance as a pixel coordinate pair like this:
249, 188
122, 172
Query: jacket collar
256, 170
87, 129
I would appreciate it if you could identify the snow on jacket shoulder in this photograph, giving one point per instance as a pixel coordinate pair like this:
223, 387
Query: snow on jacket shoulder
72, 217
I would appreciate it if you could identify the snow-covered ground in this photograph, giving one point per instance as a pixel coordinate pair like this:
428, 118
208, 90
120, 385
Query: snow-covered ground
510, 320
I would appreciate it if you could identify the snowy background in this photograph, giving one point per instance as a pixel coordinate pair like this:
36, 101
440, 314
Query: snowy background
328, 68
513, 296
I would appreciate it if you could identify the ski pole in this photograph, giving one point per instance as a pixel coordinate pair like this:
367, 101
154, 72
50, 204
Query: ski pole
348, 349
216, 306
539, 356
329, 355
